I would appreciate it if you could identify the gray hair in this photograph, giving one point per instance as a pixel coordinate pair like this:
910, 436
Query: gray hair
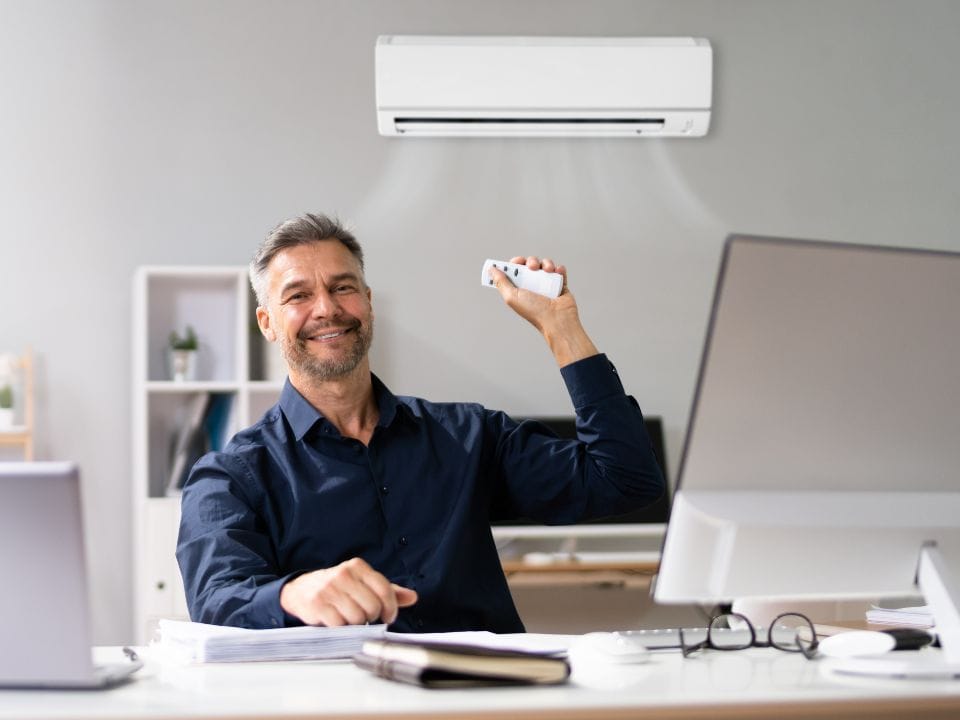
304, 230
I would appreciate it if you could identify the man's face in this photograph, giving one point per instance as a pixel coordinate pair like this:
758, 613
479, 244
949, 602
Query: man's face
318, 310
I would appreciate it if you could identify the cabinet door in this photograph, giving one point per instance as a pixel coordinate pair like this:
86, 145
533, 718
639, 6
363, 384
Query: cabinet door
162, 592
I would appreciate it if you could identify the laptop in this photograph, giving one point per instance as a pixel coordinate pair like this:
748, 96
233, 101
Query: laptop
44, 610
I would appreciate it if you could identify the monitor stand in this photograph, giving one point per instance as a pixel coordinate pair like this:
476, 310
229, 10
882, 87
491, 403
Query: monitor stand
940, 584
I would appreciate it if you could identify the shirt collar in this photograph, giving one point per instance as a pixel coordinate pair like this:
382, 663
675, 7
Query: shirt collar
302, 416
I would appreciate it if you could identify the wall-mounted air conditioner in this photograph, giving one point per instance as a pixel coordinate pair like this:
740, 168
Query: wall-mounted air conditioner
543, 86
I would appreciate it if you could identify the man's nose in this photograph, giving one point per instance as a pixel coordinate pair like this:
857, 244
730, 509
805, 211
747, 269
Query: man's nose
325, 305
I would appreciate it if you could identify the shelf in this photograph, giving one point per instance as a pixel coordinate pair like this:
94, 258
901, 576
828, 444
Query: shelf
511, 567
265, 386
16, 431
191, 386
233, 371
592, 578
212, 302
630, 562
612, 530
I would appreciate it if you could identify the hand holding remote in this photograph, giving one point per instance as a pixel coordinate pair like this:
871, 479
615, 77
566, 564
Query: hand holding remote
536, 290
548, 284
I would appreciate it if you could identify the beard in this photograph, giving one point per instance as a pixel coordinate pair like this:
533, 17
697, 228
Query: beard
300, 359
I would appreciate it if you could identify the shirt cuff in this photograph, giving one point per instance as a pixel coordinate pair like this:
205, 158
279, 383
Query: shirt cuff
591, 380
265, 609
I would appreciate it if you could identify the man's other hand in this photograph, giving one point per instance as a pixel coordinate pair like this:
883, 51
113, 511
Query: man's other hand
351, 593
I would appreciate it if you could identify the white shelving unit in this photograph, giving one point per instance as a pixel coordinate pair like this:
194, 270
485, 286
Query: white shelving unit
232, 360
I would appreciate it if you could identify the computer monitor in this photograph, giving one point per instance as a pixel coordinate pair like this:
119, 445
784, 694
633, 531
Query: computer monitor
822, 457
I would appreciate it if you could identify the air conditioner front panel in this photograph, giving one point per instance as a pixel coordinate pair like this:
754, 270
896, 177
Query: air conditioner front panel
468, 83
449, 77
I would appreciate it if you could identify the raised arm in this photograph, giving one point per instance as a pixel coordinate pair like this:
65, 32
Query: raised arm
557, 319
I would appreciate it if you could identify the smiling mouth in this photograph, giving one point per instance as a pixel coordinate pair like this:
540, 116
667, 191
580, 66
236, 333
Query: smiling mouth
330, 335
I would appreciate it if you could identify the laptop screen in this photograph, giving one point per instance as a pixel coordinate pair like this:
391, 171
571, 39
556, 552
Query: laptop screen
44, 620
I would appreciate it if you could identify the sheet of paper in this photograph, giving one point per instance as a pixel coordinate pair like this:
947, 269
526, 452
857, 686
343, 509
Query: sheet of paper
530, 642
913, 616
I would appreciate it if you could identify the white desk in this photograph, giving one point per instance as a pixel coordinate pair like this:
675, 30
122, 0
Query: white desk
746, 684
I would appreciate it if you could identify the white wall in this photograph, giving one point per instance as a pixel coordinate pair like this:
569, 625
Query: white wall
180, 132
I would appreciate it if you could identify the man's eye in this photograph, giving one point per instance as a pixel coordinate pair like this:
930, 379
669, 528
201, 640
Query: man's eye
344, 289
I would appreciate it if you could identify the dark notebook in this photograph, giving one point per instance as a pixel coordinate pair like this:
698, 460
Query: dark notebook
449, 665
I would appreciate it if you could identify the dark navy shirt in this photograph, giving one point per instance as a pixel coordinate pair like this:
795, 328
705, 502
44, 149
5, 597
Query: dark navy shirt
290, 495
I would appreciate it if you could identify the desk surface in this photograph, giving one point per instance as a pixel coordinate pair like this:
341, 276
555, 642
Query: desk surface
746, 684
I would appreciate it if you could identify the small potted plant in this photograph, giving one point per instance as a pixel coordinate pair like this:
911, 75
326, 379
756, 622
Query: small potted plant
6, 405
183, 355
8, 370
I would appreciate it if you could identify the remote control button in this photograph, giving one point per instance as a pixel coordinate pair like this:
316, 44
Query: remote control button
516, 271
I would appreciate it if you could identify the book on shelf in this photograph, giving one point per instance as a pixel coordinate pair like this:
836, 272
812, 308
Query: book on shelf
216, 419
201, 427
187, 443
439, 665
190, 642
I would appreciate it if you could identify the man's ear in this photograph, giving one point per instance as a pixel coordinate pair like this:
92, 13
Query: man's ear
263, 321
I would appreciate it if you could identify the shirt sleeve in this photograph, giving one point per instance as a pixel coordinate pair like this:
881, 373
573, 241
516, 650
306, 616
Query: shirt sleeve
226, 559
610, 469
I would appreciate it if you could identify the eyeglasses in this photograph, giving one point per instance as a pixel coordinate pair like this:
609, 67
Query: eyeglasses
790, 632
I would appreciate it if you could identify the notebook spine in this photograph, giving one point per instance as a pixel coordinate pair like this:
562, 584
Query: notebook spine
390, 669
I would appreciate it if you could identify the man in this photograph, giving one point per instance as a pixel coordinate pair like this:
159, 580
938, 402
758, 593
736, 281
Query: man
346, 504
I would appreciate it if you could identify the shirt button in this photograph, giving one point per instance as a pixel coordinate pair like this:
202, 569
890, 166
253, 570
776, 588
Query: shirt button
419, 622
385, 490
403, 539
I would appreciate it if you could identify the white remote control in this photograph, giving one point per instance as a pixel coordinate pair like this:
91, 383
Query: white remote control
538, 281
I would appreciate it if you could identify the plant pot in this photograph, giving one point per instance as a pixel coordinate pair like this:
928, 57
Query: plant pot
183, 365
6, 418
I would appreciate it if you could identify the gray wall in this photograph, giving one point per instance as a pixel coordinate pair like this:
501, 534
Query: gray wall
180, 132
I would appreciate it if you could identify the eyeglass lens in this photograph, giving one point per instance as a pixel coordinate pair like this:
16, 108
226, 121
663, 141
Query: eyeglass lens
731, 631
790, 632
786, 628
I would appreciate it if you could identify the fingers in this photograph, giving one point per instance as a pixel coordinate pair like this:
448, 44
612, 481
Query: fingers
405, 596
503, 284
351, 593
532, 262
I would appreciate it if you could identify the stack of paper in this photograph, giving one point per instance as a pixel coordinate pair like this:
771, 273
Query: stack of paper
912, 616
197, 642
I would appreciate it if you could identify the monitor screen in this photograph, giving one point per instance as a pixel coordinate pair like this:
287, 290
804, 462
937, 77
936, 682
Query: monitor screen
566, 427
822, 452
